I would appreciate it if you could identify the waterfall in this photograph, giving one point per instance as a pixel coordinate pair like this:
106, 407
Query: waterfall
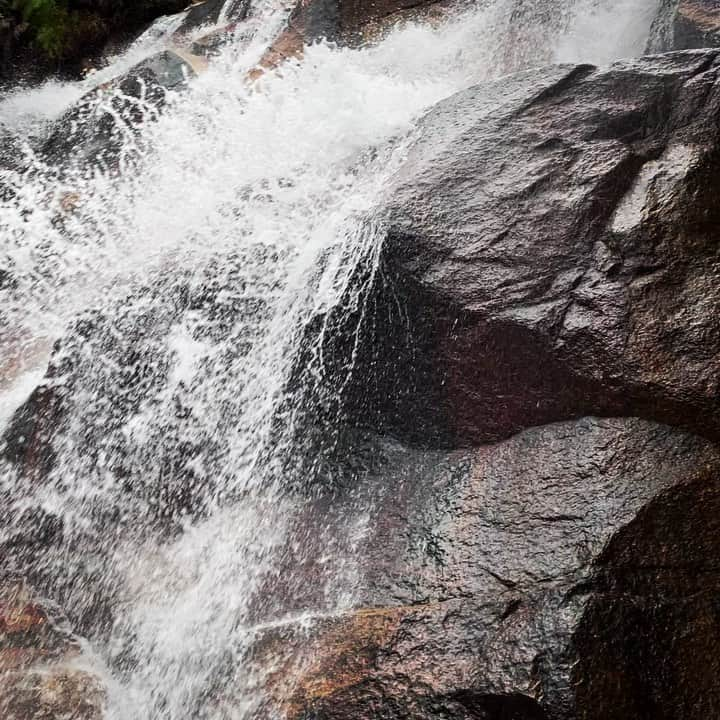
189, 294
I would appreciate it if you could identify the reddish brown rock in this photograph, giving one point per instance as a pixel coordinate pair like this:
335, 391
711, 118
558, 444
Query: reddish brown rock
685, 25
568, 573
352, 22
552, 252
42, 668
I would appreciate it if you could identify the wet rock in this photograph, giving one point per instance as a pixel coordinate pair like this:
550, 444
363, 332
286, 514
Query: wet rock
92, 422
94, 132
569, 572
552, 252
211, 43
11, 163
9, 148
42, 664
686, 24
209, 13
346, 23
350, 20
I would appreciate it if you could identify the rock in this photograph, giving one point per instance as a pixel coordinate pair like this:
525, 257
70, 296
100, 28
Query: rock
211, 43
551, 252
686, 24
121, 407
11, 164
567, 573
346, 23
93, 132
42, 663
351, 22
206, 13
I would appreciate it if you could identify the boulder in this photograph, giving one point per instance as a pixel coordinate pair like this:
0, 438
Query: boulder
43, 668
346, 23
349, 20
551, 252
686, 24
567, 573
93, 132
38, 41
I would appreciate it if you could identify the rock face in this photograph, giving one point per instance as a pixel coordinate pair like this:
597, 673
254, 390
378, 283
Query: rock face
93, 131
41, 662
350, 21
552, 252
569, 572
686, 24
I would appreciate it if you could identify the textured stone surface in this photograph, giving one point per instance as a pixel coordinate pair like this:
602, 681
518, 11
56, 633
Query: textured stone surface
93, 131
686, 24
569, 572
552, 252
351, 21
42, 668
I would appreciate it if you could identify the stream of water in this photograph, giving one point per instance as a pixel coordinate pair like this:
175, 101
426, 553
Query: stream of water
185, 290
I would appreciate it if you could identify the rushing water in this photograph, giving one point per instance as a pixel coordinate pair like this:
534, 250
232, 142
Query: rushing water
187, 290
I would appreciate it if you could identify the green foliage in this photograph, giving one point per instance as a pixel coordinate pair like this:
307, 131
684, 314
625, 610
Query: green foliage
49, 22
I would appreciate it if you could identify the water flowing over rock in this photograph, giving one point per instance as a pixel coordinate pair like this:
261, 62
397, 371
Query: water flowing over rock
43, 673
371, 372
95, 131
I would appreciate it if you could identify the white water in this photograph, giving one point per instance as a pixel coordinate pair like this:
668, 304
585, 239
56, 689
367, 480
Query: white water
245, 213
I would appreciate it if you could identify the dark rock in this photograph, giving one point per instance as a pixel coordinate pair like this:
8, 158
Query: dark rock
93, 132
569, 572
552, 252
9, 148
11, 164
346, 23
685, 25
351, 21
208, 13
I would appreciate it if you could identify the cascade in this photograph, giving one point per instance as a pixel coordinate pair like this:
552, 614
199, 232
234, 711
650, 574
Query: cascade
188, 294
